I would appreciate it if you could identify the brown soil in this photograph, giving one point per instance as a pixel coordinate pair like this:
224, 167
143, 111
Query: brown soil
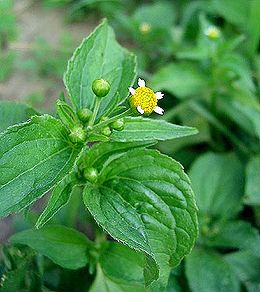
35, 20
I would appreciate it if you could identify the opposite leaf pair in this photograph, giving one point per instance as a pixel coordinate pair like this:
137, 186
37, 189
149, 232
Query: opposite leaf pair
139, 196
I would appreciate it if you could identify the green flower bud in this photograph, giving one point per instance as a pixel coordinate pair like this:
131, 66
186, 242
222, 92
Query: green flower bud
100, 87
77, 134
118, 125
104, 119
89, 128
84, 114
91, 174
106, 131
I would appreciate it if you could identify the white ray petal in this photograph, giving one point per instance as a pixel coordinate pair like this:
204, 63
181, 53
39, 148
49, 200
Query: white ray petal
141, 82
159, 110
140, 110
131, 90
159, 95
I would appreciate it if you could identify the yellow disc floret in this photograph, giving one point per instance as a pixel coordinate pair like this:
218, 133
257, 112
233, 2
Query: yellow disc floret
212, 32
145, 98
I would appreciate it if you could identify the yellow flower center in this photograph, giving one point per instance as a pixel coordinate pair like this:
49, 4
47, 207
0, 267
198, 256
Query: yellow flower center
213, 33
145, 98
145, 27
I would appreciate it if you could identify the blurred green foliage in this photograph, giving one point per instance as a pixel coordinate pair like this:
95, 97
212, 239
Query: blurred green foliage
211, 83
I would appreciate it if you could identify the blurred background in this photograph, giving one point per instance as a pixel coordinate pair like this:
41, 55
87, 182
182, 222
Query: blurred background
204, 55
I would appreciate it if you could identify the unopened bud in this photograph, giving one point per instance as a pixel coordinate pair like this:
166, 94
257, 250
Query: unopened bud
106, 131
118, 125
77, 134
100, 87
91, 174
84, 114
104, 119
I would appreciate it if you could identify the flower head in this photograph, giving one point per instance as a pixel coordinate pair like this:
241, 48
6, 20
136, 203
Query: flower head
144, 100
145, 27
212, 32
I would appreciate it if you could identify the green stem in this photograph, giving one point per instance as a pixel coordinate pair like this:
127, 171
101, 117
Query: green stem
110, 120
96, 108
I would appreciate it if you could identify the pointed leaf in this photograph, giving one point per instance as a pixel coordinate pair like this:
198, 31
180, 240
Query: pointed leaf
59, 198
64, 246
14, 112
218, 184
143, 129
99, 56
141, 198
34, 156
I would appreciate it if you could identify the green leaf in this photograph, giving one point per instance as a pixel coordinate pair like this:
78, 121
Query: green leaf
64, 246
182, 80
245, 115
99, 153
100, 56
142, 129
144, 199
59, 198
120, 269
217, 180
207, 271
13, 112
236, 234
234, 11
246, 266
175, 283
34, 156
252, 181
154, 13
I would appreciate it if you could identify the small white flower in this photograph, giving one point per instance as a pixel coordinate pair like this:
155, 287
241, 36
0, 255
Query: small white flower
212, 32
144, 99
145, 28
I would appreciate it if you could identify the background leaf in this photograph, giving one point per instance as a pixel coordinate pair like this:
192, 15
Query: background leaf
120, 269
217, 180
143, 129
34, 156
247, 268
182, 80
101, 152
236, 234
207, 271
64, 246
14, 112
100, 56
60, 197
141, 198
253, 181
